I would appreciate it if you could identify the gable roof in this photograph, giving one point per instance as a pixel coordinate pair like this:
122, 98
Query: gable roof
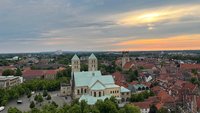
75, 57
92, 56
124, 90
97, 86
88, 78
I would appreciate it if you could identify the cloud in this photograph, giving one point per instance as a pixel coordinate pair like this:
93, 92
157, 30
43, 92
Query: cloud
165, 14
181, 42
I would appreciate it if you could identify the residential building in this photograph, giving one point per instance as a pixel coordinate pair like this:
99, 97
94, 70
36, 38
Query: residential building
8, 81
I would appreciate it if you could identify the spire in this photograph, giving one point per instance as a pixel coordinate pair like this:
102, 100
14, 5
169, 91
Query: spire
75, 57
92, 56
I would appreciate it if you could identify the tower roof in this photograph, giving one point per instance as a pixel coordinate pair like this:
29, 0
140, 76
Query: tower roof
75, 57
92, 56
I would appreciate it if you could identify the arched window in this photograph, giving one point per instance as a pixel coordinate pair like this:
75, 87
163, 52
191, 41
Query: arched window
99, 94
95, 94
85, 91
78, 91
81, 90
123, 100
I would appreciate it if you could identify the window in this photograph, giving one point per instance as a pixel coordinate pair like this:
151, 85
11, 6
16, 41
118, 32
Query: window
95, 94
78, 91
99, 94
85, 91
81, 90
122, 93
111, 92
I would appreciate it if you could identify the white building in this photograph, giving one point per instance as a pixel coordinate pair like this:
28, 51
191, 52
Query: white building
8, 81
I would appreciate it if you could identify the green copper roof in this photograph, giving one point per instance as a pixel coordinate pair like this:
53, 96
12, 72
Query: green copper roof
92, 100
75, 57
88, 78
139, 86
124, 90
92, 56
98, 86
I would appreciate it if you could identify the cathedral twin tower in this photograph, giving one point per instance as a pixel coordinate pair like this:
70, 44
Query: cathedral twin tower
92, 63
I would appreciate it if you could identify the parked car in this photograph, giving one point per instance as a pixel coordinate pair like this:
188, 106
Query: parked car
2, 108
19, 101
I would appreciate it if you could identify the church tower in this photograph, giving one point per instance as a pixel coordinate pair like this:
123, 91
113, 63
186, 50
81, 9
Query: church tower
125, 58
75, 64
92, 63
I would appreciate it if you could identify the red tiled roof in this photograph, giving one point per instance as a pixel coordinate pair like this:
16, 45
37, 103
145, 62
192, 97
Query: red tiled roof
190, 66
198, 103
156, 89
189, 86
179, 83
159, 105
134, 82
119, 79
146, 65
27, 73
32, 73
148, 84
50, 72
165, 97
142, 105
128, 65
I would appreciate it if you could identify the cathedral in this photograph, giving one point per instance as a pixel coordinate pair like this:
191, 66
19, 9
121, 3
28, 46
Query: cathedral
91, 85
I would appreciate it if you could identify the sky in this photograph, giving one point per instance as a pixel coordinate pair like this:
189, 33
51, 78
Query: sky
99, 25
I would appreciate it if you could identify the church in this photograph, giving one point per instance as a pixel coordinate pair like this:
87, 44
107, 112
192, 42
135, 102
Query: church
91, 85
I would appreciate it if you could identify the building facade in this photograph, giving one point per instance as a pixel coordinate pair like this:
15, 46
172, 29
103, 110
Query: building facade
91, 85
125, 58
92, 63
9, 81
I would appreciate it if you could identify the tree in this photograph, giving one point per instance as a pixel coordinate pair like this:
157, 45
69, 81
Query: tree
54, 104
153, 109
45, 93
8, 72
163, 110
48, 97
18, 72
14, 110
29, 94
40, 99
195, 71
131, 109
75, 109
32, 105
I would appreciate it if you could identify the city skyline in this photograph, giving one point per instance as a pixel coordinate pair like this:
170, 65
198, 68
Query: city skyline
98, 25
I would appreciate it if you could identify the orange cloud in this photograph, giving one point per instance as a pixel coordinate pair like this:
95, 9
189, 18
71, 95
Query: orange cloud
162, 14
183, 42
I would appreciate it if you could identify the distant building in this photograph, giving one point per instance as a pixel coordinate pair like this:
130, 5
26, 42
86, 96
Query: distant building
137, 88
144, 106
40, 74
8, 81
125, 58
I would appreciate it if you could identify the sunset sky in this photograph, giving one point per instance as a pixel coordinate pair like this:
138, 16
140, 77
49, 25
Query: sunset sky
99, 25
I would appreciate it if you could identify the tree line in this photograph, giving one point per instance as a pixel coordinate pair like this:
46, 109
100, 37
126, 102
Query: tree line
25, 88
106, 106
